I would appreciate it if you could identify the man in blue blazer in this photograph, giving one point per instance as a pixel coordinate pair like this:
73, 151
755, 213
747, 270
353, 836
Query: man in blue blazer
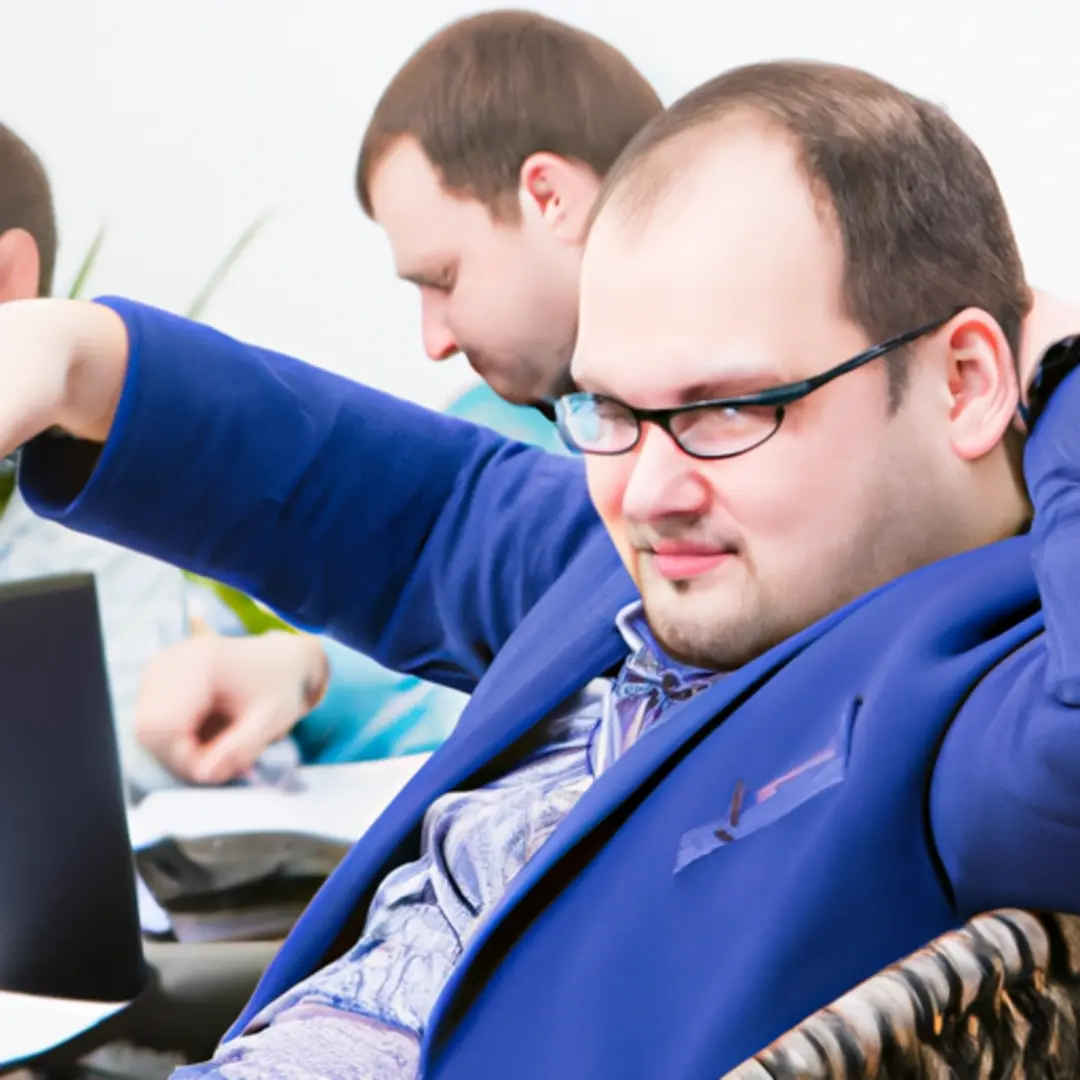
843, 721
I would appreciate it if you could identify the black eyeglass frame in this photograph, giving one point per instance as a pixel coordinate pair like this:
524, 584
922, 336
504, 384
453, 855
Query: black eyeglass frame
778, 397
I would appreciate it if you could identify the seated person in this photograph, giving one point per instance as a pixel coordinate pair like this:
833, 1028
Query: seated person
142, 600
145, 603
511, 310
147, 606
773, 688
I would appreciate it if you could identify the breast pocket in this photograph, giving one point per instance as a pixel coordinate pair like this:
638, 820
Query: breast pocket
758, 804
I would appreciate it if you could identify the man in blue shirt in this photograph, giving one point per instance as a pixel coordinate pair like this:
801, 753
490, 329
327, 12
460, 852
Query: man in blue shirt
776, 686
489, 229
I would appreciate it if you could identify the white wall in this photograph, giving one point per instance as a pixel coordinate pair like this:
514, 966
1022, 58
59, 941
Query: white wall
178, 122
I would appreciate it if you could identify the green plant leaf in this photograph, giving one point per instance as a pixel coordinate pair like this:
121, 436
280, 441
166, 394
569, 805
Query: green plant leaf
221, 271
89, 259
254, 618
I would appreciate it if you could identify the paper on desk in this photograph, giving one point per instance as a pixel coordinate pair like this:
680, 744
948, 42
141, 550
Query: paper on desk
338, 802
153, 918
31, 1025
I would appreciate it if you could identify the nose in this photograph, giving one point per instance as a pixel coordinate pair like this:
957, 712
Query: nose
664, 481
439, 341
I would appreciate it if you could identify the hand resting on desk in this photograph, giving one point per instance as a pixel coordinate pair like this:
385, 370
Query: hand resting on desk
209, 706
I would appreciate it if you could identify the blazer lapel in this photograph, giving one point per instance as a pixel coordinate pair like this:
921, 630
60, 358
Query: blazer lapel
557, 649
608, 793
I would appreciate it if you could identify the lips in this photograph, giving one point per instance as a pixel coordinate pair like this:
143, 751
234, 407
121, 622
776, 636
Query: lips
679, 562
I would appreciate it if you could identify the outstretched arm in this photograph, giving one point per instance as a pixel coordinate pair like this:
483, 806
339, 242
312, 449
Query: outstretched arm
416, 538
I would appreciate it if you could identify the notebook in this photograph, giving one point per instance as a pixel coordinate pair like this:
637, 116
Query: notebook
241, 863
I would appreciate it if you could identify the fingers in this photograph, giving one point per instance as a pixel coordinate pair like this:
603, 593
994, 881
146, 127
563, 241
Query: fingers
175, 705
184, 756
239, 744
209, 706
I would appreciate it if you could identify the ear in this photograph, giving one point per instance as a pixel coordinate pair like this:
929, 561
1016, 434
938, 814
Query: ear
982, 383
20, 266
558, 191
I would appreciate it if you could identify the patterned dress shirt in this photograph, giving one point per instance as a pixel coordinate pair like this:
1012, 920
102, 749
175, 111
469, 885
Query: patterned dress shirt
362, 1017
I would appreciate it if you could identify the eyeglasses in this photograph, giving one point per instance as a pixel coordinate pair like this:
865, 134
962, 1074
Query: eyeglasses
721, 428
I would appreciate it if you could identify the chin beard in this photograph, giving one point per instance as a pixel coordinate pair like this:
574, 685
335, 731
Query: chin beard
722, 648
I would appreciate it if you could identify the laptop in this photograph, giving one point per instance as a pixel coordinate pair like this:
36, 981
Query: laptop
70, 945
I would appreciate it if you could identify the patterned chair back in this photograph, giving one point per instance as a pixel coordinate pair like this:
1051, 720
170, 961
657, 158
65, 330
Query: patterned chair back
999, 998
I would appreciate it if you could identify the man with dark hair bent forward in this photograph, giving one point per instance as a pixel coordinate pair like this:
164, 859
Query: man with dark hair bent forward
481, 163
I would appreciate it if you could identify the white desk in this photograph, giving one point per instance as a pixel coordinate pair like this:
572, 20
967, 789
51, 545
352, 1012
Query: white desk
31, 1026
337, 802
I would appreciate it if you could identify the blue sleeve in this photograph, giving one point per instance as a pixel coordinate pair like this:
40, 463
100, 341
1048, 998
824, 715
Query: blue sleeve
416, 538
1005, 796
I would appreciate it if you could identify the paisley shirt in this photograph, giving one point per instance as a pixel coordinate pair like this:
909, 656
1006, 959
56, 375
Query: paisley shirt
363, 1016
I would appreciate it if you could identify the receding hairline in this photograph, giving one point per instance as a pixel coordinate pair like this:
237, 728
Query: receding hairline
646, 178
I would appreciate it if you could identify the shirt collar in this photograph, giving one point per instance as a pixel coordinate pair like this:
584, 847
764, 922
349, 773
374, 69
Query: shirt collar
645, 651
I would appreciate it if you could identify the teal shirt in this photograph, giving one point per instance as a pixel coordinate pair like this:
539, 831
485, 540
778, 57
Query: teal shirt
482, 405
370, 712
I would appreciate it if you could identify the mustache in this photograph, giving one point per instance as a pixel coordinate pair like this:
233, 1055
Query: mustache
659, 536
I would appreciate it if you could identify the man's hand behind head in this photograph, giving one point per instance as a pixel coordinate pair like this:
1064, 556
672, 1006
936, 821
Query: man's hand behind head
1051, 318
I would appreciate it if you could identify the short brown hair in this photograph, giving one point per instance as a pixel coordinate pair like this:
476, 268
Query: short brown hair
922, 221
486, 92
26, 201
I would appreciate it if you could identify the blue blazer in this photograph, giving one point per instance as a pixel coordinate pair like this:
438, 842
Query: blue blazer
907, 762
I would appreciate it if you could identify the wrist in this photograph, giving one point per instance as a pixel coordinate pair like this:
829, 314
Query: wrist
316, 677
96, 341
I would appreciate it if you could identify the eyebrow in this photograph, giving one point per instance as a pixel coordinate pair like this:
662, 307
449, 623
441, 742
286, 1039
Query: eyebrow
440, 273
